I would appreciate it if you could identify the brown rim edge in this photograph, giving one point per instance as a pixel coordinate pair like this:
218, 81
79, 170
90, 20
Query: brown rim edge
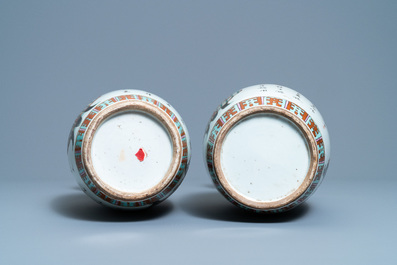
159, 115
309, 176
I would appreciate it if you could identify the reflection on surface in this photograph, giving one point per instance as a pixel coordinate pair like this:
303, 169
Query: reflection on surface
79, 206
111, 238
212, 205
235, 232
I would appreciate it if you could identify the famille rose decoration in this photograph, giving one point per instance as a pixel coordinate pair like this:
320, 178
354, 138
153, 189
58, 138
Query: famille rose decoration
267, 148
129, 149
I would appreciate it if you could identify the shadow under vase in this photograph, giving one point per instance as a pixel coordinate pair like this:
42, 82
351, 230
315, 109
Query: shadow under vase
213, 206
79, 206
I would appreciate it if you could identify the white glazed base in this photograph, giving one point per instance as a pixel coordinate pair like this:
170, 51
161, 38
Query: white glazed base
270, 163
116, 154
272, 167
129, 149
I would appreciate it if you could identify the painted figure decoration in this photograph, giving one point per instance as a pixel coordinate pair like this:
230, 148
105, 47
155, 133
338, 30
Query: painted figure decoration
129, 149
267, 148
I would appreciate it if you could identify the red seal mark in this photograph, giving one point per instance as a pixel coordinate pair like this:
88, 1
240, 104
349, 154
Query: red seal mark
140, 155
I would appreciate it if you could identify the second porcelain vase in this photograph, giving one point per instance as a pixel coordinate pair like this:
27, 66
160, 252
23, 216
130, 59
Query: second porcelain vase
267, 148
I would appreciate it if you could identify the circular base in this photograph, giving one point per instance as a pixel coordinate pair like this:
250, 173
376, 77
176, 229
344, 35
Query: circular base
270, 162
265, 157
131, 150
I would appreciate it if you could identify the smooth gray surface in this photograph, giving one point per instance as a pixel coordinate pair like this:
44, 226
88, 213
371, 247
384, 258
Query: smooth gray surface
56, 57
346, 222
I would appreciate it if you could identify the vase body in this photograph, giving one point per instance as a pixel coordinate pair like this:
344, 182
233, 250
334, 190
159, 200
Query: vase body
129, 149
267, 148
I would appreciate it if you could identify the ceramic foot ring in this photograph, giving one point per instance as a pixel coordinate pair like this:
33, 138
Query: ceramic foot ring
129, 149
267, 148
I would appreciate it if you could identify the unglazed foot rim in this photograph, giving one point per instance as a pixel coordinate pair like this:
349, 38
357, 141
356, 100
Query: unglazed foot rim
159, 115
261, 205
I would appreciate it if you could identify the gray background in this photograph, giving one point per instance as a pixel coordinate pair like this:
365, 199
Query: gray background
57, 56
